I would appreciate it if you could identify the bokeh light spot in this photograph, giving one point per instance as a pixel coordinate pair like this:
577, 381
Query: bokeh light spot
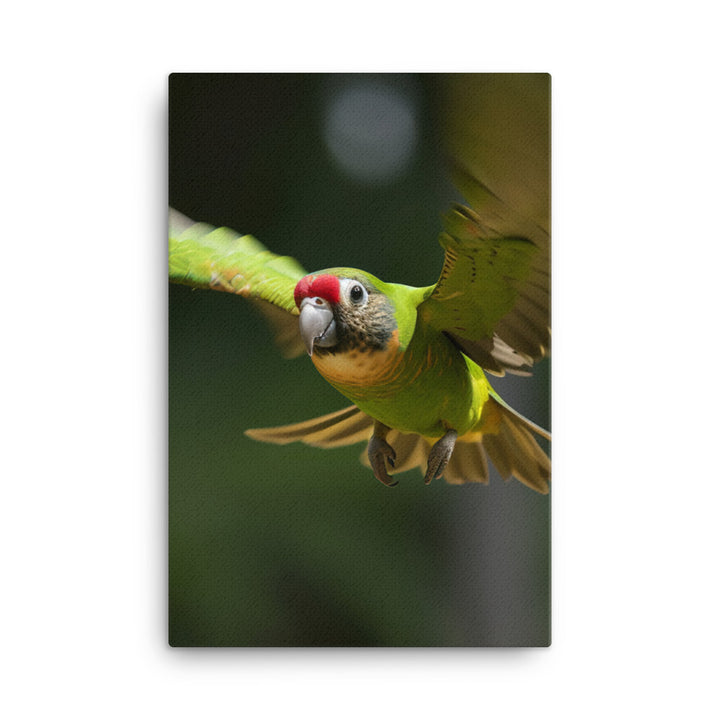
371, 131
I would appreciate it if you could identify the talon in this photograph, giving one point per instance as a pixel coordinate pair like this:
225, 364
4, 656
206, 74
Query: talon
440, 455
379, 450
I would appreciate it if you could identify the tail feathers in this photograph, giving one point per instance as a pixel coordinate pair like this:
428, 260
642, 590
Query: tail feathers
511, 446
514, 451
467, 464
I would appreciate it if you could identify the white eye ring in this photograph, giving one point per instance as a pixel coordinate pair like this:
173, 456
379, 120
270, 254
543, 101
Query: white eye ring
354, 292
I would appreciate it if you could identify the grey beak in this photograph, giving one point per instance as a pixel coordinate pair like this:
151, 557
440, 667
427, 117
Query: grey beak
317, 323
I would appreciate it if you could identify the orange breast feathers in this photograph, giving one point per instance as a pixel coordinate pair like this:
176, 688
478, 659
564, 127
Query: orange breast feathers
361, 367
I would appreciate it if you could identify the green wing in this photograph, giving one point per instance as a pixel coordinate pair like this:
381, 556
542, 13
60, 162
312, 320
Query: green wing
204, 256
496, 129
493, 295
222, 259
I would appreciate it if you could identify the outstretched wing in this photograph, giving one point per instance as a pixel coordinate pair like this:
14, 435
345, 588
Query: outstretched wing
344, 427
512, 448
496, 128
493, 295
204, 256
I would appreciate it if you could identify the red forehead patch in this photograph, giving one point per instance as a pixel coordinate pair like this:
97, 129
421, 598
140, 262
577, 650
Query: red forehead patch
324, 286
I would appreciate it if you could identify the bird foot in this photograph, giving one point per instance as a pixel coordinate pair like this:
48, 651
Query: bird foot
440, 455
379, 451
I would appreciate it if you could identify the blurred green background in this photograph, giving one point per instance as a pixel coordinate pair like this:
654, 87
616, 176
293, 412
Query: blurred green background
277, 546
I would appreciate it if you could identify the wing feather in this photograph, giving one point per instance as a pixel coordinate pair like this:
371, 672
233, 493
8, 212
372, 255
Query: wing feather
497, 132
493, 295
203, 256
512, 449
344, 427
530, 313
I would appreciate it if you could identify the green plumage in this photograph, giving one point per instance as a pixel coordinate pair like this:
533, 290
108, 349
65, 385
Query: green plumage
203, 256
411, 359
431, 385
425, 383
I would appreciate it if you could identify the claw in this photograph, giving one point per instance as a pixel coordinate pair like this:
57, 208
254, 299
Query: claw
440, 455
379, 450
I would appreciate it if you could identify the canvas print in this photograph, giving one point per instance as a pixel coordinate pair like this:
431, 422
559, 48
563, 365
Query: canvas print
359, 373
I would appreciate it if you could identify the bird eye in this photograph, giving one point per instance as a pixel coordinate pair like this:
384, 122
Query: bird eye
357, 293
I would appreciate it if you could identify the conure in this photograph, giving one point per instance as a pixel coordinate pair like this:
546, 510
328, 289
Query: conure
412, 359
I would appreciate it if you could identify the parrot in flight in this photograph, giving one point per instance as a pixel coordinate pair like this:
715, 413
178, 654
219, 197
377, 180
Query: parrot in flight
413, 360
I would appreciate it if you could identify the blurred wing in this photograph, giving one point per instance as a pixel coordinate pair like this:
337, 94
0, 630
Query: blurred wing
497, 131
204, 256
493, 296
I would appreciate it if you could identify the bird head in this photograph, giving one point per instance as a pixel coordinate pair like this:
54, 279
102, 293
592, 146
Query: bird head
340, 310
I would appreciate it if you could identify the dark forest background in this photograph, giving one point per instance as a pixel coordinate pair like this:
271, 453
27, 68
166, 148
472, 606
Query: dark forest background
276, 546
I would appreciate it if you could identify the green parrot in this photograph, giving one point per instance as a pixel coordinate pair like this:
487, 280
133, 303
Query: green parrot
412, 360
